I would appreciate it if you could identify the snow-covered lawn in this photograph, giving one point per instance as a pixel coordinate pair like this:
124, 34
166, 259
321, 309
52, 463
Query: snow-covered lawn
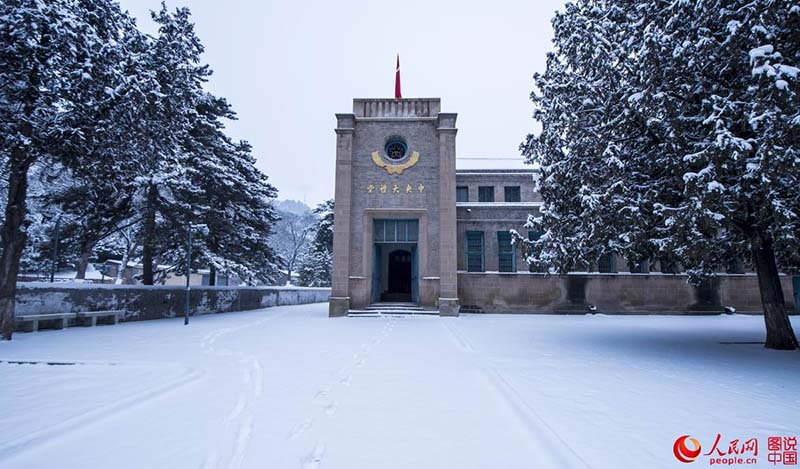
289, 388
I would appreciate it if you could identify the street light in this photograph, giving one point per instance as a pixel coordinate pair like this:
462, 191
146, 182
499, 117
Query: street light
54, 261
188, 272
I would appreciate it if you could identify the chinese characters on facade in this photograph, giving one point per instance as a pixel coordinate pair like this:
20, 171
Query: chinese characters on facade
395, 188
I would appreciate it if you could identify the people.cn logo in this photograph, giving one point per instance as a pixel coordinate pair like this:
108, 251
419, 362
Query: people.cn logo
683, 452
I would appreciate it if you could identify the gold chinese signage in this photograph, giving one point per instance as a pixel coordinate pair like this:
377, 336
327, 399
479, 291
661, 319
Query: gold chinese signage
395, 188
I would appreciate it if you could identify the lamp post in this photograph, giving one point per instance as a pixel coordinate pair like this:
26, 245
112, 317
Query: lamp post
188, 272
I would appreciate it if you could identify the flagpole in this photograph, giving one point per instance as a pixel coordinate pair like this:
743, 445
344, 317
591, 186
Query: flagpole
397, 93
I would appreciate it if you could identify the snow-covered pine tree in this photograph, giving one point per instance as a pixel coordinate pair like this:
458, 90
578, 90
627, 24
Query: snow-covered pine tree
47, 54
315, 268
173, 58
232, 200
99, 199
192, 173
44, 219
671, 130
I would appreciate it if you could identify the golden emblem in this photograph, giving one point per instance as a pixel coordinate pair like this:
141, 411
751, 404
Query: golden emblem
395, 168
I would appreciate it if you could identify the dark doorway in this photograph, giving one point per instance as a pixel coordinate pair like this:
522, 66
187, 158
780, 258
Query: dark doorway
399, 281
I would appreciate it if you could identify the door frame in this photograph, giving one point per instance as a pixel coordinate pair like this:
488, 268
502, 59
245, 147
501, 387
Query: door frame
368, 253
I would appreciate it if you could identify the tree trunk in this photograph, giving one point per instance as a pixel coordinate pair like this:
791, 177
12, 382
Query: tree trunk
780, 335
149, 235
83, 260
212, 276
14, 236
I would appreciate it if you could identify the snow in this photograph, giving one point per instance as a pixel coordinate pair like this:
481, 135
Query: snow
787, 70
288, 387
635, 97
91, 274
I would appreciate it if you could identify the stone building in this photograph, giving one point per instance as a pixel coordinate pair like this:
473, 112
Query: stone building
416, 227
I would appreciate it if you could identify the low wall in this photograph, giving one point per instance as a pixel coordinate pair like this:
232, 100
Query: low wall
610, 293
156, 302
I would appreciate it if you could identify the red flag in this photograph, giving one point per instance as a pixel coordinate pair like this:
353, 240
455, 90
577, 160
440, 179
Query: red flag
397, 94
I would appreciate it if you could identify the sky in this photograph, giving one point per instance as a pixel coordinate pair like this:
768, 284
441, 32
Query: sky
288, 66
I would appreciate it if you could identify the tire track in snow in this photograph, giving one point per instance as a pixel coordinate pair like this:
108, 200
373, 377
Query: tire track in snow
251, 389
457, 337
31, 440
545, 439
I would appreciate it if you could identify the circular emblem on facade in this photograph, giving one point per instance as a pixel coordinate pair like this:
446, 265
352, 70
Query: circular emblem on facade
396, 148
396, 158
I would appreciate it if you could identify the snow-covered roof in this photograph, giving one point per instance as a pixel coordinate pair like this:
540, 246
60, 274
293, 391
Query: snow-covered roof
492, 163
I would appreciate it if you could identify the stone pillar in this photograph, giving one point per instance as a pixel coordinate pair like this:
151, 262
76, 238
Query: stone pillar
339, 303
448, 252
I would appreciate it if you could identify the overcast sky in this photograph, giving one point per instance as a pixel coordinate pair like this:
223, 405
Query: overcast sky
288, 66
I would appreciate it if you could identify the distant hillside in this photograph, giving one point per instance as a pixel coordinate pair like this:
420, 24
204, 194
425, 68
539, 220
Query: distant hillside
292, 206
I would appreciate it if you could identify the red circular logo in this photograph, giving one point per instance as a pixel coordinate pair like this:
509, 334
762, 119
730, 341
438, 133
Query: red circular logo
683, 452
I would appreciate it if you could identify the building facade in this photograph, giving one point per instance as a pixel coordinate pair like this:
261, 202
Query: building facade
395, 216
413, 224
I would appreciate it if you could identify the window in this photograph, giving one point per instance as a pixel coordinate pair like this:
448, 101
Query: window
462, 194
606, 264
486, 194
475, 251
395, 231
533, 236
512, 193
505, 252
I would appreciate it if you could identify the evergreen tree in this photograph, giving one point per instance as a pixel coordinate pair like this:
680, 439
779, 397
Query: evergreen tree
213, 183
174, 59
122, 148
47, 53
670, 129
100, 196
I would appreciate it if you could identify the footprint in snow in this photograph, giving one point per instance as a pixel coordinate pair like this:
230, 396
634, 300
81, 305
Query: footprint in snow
346, 380
331, 408
314, 459
322, 395
301, 428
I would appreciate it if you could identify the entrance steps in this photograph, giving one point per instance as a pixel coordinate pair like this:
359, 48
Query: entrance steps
391, 309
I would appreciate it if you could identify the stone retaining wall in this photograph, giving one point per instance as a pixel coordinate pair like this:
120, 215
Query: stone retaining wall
157, 302
610, 293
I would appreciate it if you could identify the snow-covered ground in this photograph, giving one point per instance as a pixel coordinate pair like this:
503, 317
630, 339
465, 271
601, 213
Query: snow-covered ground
287, 387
